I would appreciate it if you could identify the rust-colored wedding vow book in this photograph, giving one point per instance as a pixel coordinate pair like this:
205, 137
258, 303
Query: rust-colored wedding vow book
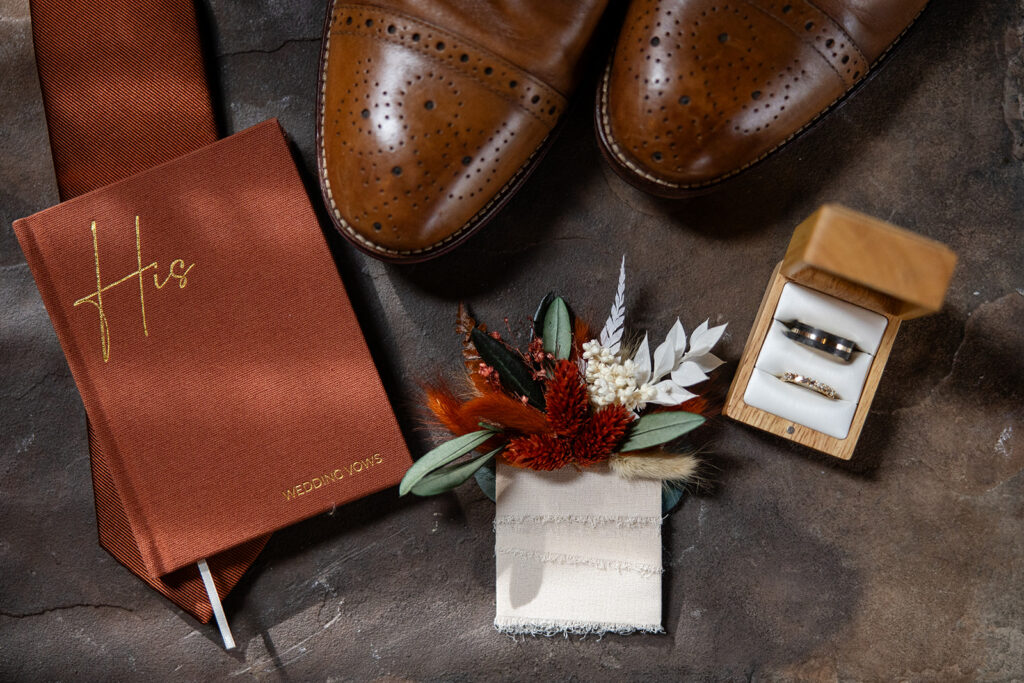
228, 386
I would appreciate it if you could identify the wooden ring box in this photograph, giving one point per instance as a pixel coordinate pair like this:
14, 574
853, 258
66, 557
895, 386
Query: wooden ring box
860, 260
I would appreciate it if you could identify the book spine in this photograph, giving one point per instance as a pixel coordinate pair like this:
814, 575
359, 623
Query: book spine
98, 424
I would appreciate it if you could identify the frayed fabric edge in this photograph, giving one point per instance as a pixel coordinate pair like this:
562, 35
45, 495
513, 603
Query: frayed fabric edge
642, 568
514, 626
592, 521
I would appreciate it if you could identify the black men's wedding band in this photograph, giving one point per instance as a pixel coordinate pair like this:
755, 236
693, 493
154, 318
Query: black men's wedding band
821, 340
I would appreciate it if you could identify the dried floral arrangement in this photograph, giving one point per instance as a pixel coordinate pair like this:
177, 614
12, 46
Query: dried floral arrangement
570, 400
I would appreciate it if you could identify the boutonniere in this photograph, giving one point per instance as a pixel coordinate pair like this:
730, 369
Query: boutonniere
571, 399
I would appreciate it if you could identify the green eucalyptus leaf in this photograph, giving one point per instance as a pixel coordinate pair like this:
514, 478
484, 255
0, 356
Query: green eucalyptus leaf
558, 329
654, 430
442, 455
671, 494
485, 479
447, 478
514, 374
538, 316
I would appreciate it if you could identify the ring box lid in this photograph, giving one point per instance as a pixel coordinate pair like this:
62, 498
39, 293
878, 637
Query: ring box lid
869, 262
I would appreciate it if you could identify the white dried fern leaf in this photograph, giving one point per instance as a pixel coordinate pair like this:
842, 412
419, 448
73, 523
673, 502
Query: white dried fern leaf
611, 334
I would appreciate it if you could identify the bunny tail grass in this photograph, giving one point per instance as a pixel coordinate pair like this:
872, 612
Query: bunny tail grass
657, 464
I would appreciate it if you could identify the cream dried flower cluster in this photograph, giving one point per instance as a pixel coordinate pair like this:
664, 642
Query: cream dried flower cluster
661, 380
611, 380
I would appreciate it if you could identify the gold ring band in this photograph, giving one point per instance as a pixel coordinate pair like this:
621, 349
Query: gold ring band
808, 383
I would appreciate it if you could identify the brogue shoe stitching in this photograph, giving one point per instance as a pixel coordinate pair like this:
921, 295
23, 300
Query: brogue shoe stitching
372, 246
496, 91
613, 146
457, 44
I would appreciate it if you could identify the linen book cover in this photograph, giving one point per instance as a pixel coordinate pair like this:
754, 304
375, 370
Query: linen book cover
224, 375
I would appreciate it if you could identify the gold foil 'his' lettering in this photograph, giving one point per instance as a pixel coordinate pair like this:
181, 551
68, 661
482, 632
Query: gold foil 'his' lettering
177, 270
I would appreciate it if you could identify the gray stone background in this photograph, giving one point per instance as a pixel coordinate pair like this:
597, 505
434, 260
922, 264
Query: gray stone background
904, 563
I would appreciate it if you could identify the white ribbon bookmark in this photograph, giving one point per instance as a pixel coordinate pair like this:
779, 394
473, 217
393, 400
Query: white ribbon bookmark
218, 609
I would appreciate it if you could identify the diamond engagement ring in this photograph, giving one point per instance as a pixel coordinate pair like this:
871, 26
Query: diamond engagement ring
821, 340
808, 383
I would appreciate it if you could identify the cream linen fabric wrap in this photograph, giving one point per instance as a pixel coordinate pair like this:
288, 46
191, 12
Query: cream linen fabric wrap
576, 552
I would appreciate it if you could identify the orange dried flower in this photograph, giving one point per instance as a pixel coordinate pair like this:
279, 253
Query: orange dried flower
538, 452
566, 400
580, 333
601, 435
501, 409
447, 408
698, 405
576, 436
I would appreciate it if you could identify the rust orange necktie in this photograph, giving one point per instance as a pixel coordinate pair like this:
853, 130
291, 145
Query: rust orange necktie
124, 89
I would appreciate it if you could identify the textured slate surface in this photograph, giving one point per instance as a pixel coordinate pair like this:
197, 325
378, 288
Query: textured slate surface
906, 562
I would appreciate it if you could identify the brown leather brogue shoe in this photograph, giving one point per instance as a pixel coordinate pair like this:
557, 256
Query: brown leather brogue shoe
432, 114
698, 90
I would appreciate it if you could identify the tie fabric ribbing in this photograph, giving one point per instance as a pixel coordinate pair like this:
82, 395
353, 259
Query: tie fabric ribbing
124, 89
